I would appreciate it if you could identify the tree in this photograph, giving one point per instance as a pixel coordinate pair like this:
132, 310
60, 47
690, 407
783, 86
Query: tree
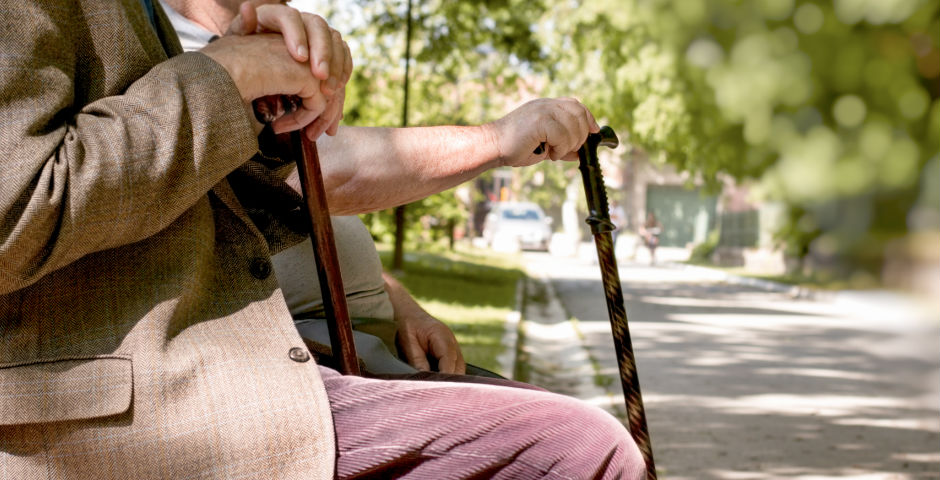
832, 106
466, 55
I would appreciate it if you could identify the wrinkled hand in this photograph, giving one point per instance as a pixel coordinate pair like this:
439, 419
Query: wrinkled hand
309, 40
420, 335
562, 124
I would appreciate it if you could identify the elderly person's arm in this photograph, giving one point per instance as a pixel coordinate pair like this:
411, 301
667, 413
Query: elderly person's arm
367, 169
85, 171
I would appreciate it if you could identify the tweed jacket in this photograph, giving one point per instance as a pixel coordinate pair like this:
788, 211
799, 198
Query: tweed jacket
142, 332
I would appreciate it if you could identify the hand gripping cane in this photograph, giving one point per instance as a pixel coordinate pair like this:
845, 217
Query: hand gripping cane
601, 226
321, 235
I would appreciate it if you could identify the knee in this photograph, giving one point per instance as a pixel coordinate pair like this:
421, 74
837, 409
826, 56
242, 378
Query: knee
617, 455
592, 442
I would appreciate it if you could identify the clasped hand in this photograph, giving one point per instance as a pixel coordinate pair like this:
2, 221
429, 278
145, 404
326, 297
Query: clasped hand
277, 50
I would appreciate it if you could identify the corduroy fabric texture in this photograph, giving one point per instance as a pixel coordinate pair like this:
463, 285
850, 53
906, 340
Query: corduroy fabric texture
443, 430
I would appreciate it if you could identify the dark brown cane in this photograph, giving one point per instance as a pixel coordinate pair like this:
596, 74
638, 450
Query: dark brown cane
321, 235
324, 247
601, 226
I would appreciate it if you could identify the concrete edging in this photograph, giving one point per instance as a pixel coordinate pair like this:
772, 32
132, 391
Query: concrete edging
510, 339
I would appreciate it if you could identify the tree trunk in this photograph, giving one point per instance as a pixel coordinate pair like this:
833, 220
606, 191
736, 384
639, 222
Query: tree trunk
398, 256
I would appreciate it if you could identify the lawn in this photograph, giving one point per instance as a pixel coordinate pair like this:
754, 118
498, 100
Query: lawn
471, 290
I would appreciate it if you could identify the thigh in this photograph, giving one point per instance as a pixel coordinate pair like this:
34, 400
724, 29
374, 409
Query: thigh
433, 430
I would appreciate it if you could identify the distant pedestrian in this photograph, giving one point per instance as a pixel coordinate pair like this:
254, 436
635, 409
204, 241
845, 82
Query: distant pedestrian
650, 231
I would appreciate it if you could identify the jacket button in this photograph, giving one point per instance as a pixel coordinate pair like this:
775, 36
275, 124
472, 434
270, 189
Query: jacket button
299, 355
260, 268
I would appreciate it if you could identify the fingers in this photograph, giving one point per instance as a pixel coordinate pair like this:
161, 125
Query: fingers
570, 124
562, 135
321, 45
337, 64
444, 347
414, 354
581, 116
312, 109
561, 124
246, 22
578, 108
448, 355
431, 337
328, 121
335, 111
309, 37
290, 24
347, 65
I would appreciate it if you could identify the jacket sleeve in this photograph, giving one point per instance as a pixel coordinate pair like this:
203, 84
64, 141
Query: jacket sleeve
81, 178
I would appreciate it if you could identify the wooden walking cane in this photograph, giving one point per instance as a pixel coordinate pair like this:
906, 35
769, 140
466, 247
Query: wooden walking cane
321, 235
601, 226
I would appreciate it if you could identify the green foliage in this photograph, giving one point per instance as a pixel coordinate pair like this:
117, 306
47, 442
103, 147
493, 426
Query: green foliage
832, 106
472, 291
702, 253
426, 221
466, 57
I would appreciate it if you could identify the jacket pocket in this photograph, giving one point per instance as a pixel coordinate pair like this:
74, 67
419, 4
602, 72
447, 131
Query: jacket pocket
63, 389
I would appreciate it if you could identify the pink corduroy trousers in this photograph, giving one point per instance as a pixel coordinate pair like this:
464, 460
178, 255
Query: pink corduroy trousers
460, 429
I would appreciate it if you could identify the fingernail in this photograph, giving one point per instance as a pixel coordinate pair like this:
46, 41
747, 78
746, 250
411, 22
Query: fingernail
324, 67
302, 51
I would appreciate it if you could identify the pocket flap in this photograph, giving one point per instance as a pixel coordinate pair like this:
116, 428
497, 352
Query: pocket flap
64, 389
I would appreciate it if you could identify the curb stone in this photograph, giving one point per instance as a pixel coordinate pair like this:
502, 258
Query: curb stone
510, 339
557, 358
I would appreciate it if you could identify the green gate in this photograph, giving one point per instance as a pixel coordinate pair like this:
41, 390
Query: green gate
686, 215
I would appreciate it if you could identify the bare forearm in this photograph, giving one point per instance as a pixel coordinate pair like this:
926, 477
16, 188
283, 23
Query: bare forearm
367, 169
402, 301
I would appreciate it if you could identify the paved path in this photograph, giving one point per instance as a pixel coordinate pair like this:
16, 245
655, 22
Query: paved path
742, 383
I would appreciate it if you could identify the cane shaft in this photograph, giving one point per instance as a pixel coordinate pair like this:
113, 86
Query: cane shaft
623, 345
601, 226
324, 247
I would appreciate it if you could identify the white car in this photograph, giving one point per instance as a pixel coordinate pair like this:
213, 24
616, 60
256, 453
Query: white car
516, 226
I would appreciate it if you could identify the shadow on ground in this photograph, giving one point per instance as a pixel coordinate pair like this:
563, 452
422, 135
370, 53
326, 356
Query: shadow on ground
744, 384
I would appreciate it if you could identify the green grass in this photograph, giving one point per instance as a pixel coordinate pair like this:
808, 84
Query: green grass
470, 290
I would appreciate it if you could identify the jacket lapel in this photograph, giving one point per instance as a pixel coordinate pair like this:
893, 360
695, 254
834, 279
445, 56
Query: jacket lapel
166, 33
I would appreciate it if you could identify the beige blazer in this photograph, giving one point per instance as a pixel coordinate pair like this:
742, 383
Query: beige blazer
142, 334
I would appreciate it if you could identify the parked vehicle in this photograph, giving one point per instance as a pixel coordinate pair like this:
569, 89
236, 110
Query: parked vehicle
517, 226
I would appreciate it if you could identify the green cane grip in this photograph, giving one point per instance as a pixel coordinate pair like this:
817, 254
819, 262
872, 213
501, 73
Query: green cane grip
598, 212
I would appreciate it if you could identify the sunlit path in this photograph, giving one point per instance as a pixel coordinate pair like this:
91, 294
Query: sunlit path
741, 383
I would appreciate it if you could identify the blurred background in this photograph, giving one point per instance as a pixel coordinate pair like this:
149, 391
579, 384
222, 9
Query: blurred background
792, 139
